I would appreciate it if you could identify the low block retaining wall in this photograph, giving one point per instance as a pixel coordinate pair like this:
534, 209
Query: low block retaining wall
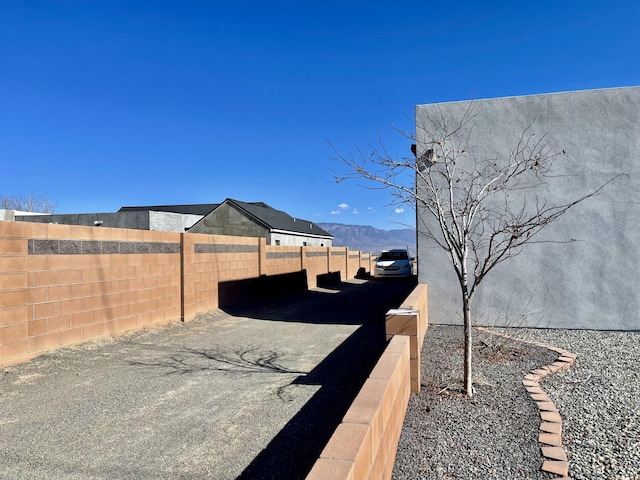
65, 284
411, 319
364, 445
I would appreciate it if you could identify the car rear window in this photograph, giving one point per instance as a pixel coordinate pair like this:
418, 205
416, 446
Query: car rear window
393, 256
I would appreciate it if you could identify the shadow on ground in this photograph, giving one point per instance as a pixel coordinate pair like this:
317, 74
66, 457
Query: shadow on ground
294, 450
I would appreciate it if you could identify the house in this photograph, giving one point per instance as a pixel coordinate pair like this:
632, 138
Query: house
137, 218
172, 218
257, 219
579, 272
231, 217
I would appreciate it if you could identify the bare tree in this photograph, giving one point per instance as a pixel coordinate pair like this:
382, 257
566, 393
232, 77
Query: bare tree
478, 220
28, 203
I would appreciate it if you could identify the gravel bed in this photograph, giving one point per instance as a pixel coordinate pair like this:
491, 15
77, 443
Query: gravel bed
494, 435
599, 401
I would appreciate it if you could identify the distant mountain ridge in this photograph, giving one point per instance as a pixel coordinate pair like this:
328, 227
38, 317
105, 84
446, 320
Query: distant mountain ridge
370, 239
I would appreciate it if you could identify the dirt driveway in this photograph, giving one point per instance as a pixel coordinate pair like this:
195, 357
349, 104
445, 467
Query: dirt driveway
251, 392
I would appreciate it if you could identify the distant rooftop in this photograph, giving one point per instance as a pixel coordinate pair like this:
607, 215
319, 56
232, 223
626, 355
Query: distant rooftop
194, 209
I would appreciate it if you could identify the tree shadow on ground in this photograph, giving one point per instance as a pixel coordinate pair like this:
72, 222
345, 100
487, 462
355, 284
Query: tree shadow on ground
239, 362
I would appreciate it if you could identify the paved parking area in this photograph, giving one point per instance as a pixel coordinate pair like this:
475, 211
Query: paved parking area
251, 392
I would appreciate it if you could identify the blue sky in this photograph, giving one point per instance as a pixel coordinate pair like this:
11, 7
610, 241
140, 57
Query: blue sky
112, 103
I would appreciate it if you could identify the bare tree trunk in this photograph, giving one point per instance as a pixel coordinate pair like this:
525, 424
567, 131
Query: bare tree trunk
468, 378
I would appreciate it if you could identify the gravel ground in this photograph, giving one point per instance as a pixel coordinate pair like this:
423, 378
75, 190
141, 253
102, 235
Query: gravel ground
494, 435
599, 401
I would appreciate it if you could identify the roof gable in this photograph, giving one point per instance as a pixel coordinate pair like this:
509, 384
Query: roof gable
274, 219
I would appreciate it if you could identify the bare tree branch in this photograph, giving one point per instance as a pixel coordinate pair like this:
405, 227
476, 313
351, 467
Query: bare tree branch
486, 209
28, 203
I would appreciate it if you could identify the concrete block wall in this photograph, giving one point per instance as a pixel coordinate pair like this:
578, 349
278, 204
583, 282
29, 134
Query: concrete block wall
364, 445
338, 260
280, 259
62, 284
353, 263
210, 259
316, 262
411, 319
366, 262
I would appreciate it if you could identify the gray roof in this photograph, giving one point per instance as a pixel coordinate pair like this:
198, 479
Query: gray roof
258, 212
195, 209
275, 219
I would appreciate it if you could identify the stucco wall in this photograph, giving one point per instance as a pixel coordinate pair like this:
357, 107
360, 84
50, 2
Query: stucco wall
298, 240
587, 282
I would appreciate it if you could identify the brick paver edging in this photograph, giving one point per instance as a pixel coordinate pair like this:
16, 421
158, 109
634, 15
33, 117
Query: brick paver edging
551, 423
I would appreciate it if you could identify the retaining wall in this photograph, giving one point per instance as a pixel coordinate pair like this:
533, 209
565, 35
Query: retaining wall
364, 445
411, 319
65, 284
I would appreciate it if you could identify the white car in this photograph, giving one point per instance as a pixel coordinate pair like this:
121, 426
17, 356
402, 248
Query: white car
394, 263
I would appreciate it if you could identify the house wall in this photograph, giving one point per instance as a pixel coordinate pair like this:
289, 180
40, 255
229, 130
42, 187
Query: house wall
586, 282
171, 222
8, 215
65, 284
136, 220
226, 220
141, 220
286, 239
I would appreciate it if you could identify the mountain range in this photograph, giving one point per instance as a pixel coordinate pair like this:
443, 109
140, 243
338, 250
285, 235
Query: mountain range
370, 239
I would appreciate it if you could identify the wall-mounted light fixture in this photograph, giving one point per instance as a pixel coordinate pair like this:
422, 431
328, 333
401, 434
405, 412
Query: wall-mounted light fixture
426, 160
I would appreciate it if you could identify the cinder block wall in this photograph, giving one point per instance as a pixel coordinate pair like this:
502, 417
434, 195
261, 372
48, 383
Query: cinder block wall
61, 285
353, 263
210, 259
315, 261
338, 260
366, 262
280, 260
411, 319
364, 445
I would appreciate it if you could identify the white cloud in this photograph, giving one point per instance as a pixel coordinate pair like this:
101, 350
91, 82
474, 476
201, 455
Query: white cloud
371, 210
336, 212
355, 211
343, 206
399, 210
